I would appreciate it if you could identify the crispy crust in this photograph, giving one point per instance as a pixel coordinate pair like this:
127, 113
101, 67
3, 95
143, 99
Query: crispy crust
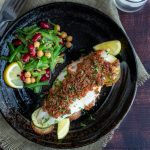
92, 104
75, 116
42, 131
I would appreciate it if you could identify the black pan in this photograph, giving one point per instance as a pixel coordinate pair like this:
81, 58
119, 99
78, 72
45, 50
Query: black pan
88, 27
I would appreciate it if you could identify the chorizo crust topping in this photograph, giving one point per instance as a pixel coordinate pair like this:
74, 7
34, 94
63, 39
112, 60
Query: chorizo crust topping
90, 73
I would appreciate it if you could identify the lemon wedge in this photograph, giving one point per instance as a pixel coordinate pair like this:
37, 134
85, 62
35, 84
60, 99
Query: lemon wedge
11, 75
63, 128
112, 47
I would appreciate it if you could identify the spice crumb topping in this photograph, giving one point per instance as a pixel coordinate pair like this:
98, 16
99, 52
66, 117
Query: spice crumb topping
92, 72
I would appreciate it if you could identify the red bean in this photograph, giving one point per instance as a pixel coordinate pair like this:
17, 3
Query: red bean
16, 42
31, 49
22, 76
33, 53
48, 73
61, 42
59, 36
26, 57
44, 25
36, 37
44, 78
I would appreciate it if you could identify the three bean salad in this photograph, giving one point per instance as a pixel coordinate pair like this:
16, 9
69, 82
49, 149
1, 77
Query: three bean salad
34, 53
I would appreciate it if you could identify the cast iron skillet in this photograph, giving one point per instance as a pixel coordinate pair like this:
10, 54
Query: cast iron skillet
88, 27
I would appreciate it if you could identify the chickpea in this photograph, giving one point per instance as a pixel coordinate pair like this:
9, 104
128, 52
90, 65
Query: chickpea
63, 35
27, 74
57, 27
69, 38
40, 53
36, 44
28, 80
32, 80
68, 44
48, 54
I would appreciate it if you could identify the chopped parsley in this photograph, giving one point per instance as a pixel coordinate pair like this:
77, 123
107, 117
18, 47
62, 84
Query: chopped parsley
44, 120
82, 72
91, 117
82, 50
82, 124
67, 99
96, 68
72, 88
74, 99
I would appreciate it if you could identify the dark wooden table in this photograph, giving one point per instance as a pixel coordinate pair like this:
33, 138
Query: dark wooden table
134, 132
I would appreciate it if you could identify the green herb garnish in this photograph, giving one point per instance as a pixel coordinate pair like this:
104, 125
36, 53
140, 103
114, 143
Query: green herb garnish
91, 117
82, 124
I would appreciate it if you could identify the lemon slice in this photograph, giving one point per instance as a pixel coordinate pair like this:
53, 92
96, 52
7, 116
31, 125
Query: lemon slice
41, 119
63, 128
11, 76
112, 47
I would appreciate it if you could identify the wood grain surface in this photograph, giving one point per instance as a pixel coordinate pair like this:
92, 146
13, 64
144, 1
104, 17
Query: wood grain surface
134, 132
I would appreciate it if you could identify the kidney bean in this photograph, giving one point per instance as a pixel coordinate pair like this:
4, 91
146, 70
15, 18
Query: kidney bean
44, 25
16, 42
26, 57
44, 78
61, 42
36, 37
48, 73
22, 76
31, 49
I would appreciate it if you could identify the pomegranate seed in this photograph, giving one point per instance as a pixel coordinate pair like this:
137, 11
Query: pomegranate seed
16, 42
26, 57
22, 76
31, 49
44, 78
36, 37
44, 25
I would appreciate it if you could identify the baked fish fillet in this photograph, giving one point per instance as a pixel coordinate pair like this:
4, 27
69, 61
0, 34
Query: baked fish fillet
77, 87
